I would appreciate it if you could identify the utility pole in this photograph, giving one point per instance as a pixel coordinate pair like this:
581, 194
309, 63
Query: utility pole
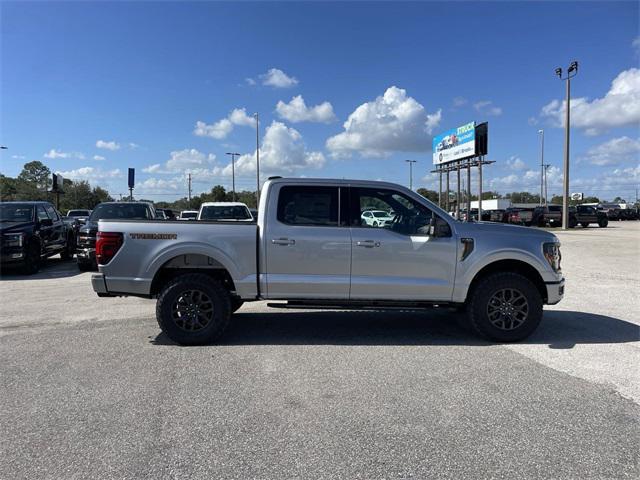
573, 69
542, 169
257, 159
546, 166
189, 177
233, 173
411, 162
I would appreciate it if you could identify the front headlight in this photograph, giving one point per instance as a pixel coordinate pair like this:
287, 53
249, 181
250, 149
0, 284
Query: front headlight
551, 252
13, 239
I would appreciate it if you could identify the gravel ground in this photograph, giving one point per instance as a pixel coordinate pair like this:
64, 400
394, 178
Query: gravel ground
91, 389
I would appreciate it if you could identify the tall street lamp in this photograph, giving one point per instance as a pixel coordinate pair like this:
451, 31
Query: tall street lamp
233, 173
411, 162
257, 159
542, 170
545, 166
572, 71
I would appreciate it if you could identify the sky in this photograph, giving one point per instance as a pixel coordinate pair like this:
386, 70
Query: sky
343, 90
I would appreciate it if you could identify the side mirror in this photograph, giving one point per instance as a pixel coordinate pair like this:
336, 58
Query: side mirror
432, 226
47, 222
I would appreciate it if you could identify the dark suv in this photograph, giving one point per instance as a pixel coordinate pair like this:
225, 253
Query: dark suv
107, 211
31, 232
518, 215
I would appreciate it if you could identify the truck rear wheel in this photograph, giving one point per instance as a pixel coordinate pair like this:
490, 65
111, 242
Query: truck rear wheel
505, 307
603, 223
193, 309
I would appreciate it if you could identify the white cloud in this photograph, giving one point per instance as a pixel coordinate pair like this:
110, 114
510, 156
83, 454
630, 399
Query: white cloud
108, 145
98, 158
53, 154
392, 122
155, 168
18, 157
278, 79
224, 126
180, 161
297, 111
636, 44
459, 101
218, 130
282, 152
250, 81
620, 107
515, 163
614, 151
133, 146
486, 107
151, 185
91, 173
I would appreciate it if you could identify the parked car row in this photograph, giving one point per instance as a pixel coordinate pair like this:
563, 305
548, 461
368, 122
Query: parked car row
551, 215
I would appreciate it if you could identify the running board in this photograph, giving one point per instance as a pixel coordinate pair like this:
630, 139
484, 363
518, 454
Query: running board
299, 305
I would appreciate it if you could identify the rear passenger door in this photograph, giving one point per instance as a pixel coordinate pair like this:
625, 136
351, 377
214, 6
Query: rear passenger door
58, 230
307, 243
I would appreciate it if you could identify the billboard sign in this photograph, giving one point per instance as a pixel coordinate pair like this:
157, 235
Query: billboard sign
57, 182
132, 177
455, 144
578, 196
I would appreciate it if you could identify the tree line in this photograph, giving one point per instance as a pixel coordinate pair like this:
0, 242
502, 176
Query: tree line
33, 183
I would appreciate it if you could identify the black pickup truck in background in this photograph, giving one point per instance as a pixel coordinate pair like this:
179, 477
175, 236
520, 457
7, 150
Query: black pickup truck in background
87, 233
31, 232
585, 215
550, 215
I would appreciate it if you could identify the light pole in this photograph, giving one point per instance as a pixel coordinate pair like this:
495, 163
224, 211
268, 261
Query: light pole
572, 71
542, 170
233, 173
411, 162
546, 166
257, 159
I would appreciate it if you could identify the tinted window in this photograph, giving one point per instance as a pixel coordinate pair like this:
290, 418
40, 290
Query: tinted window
136, 211
78, 213
16, 213
42, 214
52, 213
315, 206
225, 212
409, 217
555, 208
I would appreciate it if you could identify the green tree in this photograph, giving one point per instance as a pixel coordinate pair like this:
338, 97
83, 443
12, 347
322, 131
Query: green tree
36, 173
428, 194
8, 188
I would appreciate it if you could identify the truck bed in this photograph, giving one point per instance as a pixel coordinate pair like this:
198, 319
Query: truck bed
150, 244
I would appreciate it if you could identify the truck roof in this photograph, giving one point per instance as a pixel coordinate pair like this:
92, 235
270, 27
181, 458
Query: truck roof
223, 204
334, 181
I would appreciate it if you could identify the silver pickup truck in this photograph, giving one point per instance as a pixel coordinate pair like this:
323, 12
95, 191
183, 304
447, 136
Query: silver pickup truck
312, 247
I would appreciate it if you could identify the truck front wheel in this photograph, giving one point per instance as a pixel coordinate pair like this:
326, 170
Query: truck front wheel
505, 307
193, 309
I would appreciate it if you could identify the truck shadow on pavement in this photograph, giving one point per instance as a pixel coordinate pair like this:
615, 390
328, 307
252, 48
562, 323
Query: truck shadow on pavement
52, 268
559, 329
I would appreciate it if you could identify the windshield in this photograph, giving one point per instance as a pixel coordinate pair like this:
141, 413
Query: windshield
115, 211
78, 213
380, 214
225, 212
16, 213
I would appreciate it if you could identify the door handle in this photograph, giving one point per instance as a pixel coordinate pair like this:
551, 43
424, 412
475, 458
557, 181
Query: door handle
283, 241
367, 243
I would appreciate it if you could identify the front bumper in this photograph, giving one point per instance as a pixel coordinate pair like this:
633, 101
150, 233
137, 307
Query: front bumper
86, 254
555, 292
11, 255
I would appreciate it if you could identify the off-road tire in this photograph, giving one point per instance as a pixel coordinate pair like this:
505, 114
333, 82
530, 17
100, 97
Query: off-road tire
484, 291
84, 266
32, 261
69, 249
603, 223
218, 296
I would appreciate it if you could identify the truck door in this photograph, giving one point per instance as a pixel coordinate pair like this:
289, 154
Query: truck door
58, 230
307, 243
399, 261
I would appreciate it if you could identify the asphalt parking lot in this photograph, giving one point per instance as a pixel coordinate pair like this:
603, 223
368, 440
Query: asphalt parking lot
91, 389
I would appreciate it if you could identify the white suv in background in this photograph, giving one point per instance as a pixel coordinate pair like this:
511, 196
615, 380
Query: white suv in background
188, 215
225, 211
376, 218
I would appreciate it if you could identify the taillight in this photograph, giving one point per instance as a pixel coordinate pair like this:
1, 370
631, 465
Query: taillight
107, 245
